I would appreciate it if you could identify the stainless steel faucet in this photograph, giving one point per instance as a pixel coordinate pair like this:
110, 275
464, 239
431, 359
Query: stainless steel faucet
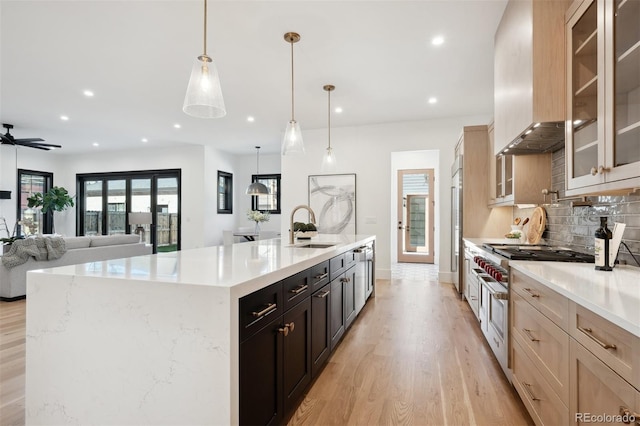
312, 217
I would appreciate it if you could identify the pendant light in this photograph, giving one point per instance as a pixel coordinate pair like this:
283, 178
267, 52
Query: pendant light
257, 188
204, 95
329, 159
292, 141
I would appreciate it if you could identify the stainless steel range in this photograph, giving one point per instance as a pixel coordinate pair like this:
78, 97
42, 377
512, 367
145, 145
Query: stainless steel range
489, 267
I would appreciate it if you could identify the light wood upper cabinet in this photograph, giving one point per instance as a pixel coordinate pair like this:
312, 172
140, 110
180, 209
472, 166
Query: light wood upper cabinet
529, 66
603, 96
519, 179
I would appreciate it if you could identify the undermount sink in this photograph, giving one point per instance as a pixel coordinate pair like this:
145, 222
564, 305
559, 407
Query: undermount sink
315, 245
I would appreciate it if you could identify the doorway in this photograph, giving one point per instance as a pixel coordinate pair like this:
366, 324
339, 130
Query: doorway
415, 215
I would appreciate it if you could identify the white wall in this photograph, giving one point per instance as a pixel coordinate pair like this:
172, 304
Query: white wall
366, 151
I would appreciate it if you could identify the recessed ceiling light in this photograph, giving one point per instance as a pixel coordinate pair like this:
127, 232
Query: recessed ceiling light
64, 118
177, 126
433, 100
88, 93
250, 119
437, 41
95, 144
338, 110
145, 140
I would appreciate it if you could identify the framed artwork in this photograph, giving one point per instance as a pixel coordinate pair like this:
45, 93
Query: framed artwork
333, 200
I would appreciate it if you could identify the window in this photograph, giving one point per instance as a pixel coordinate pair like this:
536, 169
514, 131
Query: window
225, 192
33, 221
267, 203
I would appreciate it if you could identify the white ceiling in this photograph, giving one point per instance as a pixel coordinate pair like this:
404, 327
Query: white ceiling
136, 57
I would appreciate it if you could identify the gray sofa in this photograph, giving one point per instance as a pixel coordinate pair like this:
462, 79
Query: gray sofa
13, 281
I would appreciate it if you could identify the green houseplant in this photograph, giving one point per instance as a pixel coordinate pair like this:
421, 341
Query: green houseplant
57, 199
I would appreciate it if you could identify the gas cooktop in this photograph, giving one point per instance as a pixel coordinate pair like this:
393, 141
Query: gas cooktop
539, 252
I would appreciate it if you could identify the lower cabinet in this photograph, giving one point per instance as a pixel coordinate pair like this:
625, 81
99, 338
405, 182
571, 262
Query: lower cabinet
336, 319
296, 353
349, 286
320, 328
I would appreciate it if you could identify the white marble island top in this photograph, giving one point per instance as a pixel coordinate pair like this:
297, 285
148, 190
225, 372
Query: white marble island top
150, 339
613, 295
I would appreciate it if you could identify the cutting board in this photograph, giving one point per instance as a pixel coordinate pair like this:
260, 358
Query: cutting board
537, 224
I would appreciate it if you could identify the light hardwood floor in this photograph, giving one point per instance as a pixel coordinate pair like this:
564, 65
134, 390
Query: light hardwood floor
415, 355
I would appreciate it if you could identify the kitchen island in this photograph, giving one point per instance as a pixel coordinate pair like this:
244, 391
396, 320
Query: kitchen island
151, 339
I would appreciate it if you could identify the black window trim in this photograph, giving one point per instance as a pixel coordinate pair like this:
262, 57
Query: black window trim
228, 193
254, 199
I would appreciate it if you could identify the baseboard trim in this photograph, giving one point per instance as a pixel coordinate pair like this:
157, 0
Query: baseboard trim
12, 299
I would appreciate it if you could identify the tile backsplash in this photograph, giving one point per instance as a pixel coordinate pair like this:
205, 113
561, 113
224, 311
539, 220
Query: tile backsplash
575, 226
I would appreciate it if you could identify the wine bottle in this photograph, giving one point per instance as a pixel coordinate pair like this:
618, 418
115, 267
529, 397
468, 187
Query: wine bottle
603, 238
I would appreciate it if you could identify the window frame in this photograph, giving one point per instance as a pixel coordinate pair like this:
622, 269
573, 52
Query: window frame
47, 218
254, 199
228, 193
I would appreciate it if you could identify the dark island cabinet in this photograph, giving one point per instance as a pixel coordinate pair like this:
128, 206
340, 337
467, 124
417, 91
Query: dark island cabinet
297, 354
336, 319
349, 288
320, 329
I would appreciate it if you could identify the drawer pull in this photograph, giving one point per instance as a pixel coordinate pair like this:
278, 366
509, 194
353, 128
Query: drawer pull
588, 332
529, 335
266, 311
284, 330
321, 276
629, 416
291, 326
345, 280
528, 290
299, 290
323, 295
527, 389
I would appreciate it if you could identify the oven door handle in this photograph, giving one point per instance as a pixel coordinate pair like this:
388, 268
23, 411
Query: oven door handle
498, 295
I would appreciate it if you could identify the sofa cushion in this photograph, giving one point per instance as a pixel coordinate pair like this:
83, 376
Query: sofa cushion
109, 240
77, 242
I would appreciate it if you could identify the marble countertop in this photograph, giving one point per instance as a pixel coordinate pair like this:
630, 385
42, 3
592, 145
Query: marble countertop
613, 295
242, 268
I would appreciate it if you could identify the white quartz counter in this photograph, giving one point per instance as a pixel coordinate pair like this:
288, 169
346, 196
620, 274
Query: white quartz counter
613, 295
150, 339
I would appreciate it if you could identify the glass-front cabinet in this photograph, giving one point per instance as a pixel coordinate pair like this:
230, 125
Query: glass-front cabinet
603, 96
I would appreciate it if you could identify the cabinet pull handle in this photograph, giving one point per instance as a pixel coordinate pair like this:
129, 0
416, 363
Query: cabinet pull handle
284, 330
594, 171
587, 331
529, 335
270, 308
321, 276
629, 416
323, 295
345, 280
300, 289
528, 290
527, 389
291, 326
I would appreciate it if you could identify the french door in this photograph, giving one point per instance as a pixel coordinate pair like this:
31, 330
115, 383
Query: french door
105, 201
415, 215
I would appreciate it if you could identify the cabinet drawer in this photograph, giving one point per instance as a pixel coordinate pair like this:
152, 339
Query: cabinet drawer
551, 304
473, 295
319, 276
258, 308
541, 401
616, 347
544, 343
295, 289
336, 267
349, 259
598, 390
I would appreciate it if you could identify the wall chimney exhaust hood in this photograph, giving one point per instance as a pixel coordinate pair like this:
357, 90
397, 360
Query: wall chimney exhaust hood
540, 138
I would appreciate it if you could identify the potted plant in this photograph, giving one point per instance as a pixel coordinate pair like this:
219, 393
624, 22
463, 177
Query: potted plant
57, 199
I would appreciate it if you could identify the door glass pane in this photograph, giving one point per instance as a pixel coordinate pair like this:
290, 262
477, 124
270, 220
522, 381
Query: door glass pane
418, 221
415, 189
93, 207
31, 218
508, 175
167, 215
499, 189
627, 81
116, 206
141, 202
584, 85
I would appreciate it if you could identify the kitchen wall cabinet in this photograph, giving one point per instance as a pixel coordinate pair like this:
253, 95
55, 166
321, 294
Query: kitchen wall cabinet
603, 96
520, 179
528, 68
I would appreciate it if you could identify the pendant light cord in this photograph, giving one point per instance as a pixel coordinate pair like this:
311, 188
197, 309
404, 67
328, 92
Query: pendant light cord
329, 115
292, 106
205, 27
257, 160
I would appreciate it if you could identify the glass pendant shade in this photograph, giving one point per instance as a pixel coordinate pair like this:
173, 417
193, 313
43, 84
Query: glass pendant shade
257, 188
204, 94
328, 162
292, 141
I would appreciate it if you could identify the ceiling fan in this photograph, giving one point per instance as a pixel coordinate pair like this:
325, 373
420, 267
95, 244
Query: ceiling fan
8, 139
